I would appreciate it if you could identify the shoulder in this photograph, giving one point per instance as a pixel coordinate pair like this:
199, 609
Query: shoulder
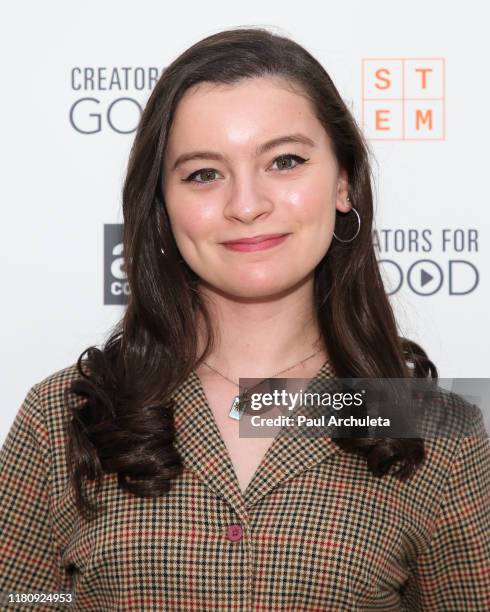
50, 388
46, 402
44, 415
445, 414
38, 430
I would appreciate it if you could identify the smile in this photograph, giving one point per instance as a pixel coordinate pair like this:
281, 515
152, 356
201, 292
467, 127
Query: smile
256, 246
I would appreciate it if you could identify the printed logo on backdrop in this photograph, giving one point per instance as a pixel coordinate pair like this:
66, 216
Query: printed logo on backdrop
109, 98
403, 98
425, 261
116, 286
428, 261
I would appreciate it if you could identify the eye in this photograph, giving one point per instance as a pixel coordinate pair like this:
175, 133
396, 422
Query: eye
207, 173
204, 172
285, 159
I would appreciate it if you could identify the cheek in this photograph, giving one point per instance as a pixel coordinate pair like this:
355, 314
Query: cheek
311, 204
191, 216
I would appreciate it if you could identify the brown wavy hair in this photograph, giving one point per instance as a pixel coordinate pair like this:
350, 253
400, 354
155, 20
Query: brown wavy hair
125, 423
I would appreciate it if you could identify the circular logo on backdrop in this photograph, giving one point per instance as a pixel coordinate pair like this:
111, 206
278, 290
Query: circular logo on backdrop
425, 277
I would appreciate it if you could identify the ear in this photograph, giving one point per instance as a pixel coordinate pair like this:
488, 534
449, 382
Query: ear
342, 205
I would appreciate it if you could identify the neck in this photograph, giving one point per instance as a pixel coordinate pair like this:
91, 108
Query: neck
261, 336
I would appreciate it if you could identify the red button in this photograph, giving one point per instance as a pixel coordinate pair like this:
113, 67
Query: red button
235, 532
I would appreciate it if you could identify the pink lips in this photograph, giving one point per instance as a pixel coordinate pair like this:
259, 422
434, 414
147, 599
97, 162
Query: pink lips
258, 243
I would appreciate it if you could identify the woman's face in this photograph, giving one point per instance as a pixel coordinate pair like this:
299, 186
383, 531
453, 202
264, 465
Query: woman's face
223, 181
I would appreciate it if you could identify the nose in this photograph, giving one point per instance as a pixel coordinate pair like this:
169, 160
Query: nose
248, 198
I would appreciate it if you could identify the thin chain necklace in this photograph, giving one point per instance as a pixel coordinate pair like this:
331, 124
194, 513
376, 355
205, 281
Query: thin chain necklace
237, 407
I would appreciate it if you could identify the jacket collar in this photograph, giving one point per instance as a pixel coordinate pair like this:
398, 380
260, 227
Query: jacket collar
204, 452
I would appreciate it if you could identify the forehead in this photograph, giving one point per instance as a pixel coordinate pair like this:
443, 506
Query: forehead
244, 112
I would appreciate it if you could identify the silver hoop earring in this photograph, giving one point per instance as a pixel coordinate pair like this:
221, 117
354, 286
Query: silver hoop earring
358, 227
163, 252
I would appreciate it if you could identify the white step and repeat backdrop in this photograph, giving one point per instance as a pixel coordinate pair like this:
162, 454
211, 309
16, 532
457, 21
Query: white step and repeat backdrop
74, 79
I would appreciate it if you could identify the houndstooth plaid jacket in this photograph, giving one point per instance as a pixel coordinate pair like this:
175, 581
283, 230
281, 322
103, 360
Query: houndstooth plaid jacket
315, 530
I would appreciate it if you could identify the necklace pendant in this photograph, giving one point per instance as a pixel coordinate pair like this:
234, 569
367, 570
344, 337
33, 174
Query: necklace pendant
236, 411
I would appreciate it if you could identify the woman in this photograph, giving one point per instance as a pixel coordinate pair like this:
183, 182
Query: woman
159, 503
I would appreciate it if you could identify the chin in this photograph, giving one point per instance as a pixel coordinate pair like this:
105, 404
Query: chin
261, 290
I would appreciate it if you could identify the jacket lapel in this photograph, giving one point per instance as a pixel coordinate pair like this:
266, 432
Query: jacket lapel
201, 446
294, 452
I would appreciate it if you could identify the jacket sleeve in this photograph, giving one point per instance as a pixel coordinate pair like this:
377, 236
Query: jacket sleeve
28, 556
453, 573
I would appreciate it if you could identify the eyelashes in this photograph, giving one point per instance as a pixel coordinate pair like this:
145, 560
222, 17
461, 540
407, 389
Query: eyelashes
207, 171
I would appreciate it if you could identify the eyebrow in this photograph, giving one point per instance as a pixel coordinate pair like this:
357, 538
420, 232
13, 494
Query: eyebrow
263, 148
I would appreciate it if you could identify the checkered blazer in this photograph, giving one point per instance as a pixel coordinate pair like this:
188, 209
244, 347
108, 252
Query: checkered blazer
315, 530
